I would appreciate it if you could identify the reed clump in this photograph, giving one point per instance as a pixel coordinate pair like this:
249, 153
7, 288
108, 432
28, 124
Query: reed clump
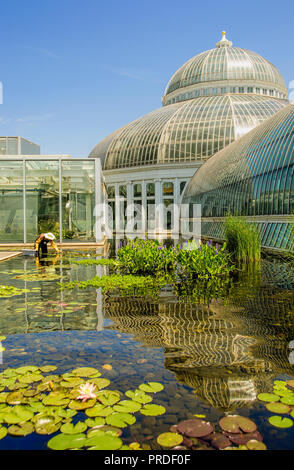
243, 239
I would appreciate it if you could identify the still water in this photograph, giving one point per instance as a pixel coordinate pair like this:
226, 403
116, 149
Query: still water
214, 356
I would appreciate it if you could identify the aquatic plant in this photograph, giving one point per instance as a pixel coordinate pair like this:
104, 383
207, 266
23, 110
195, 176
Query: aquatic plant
33, 402
127, 284
10, 291
243, 239
102, 261
206, 262
280, 401
146, 257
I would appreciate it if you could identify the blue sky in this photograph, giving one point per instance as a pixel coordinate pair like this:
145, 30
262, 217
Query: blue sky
74, 71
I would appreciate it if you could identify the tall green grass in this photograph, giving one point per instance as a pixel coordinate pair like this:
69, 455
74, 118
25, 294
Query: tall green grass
243, 239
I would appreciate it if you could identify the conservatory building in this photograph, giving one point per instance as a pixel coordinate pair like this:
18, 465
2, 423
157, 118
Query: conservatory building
252, 177
215, 98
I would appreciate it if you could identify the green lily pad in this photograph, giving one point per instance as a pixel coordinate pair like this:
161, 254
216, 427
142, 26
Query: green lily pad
26, 369
86, 372
48, 368
67, 413
269, 397
17, 414
99, 410
120, 420
108, 397
71, 382
3, 432
127, 406
280, 422
151, 387
67, 441
152, 410
15, 398
70, 428
46, 424
21, 430
277, 407
97, 421
288, 400
255, 445
169, 439
3, 397
30, 378
107, 429
80, 405
55, 399
100, 383
139, 396
104, 441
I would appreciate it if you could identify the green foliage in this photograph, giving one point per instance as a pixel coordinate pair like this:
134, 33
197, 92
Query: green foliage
146, 257
203, 263
89, 262
10, 291
243, 239
125, 283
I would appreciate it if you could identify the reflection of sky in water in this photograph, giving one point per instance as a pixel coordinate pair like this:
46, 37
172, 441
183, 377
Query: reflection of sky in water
212, 358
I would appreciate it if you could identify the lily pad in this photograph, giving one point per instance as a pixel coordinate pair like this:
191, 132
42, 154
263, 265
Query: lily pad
21, 430
288, 400
277, 407
55, 399
97, 421
70, 428
100, 383
3, 432
15, 398
66, 413
17, 414
269, 397
195, 428
256, 445
152, 410
30, 378
236, 424
280, 422
106, 428
151, 387
45, 425
86, 372
104, 441
169, 439
127, 406
48, 368
80, 405
120, 420
67, 441
139, 396
99, 410
108, 397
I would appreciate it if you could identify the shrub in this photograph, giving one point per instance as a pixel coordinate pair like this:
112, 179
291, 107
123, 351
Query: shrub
243, 239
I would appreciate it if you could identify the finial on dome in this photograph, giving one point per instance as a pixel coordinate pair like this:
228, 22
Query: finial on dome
224, 42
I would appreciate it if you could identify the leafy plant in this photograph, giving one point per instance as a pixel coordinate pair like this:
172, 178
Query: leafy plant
243, 239
146, 257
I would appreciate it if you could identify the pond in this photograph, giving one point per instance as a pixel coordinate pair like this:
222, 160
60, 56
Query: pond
213, 356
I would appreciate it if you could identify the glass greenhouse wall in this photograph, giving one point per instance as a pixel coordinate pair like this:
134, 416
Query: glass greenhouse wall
39, 195
253, 177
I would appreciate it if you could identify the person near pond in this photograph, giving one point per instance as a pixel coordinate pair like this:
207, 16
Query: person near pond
41, 242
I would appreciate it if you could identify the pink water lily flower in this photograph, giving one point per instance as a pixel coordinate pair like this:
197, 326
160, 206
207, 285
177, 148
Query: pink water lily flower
86, 391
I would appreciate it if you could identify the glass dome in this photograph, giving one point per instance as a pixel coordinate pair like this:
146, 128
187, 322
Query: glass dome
184, 132
225, 63
215, 98
251, 177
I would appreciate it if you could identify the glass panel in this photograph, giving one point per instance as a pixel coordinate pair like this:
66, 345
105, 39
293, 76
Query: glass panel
42, 198
137, 190
2, 146
111, 192
11, 201
78, 200
29, 148
150, 188
12, 146
168, 189
123, 191
182, 186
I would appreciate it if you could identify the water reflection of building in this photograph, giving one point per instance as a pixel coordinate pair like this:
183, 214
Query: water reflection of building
228, 352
